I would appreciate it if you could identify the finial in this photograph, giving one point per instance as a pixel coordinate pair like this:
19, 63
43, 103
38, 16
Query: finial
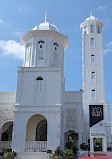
46, 16
91, 14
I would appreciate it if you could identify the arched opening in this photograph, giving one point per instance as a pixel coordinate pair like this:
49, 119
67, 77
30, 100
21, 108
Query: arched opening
71, 134
36, 133
6, 131
6, 135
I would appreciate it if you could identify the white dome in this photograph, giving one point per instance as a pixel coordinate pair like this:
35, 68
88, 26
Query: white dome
91, 18
46, 26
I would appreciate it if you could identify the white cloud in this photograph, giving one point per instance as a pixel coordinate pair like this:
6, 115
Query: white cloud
17, 33
12, 48
2, 21
107, 51
101, 8
110, 44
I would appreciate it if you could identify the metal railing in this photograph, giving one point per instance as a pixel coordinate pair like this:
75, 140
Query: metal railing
36, 146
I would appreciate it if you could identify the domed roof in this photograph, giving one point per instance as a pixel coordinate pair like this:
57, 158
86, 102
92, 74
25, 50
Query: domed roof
91, 18
46, 26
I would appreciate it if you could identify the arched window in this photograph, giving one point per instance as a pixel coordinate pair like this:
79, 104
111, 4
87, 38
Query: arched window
92, 59
39, 90
91, 28
39, 84
92, 75
41, 50
92, 41
55, 54
98, 29
39, 78
55, 46
93, 93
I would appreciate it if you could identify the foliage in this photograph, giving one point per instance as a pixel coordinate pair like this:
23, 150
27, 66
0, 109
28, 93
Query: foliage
8, 154
58, 153
84, 147
70, 144
81, 90
109, 148
68, 154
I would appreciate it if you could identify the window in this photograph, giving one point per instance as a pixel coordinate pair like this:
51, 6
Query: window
55, 46
92, 59
39, 78
39, 90
40, 52
85, 30
40, 43
28, 47
93, 75
55, 54
27, 55
92, 41
39, 85
98, 29
92, 28
93, 93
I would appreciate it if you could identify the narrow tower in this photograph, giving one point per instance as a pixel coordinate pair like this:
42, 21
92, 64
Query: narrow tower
93, 73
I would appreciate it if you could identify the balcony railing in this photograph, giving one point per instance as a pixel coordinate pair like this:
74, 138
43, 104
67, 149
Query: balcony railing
5, 145
36, 146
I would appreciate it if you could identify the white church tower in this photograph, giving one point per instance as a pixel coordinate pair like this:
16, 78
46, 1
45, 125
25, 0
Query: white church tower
93, 76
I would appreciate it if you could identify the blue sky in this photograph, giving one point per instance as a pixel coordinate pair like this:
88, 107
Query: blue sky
18, 17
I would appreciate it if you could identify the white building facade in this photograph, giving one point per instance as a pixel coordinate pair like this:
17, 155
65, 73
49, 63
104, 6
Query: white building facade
43, 115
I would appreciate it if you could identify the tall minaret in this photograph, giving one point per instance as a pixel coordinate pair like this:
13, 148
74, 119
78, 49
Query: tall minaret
92, 68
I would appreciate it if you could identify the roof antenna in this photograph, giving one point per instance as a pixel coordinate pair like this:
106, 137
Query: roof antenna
91, 14
46, 16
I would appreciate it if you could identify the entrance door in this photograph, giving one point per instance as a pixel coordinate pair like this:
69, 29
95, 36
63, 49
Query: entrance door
97, 144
